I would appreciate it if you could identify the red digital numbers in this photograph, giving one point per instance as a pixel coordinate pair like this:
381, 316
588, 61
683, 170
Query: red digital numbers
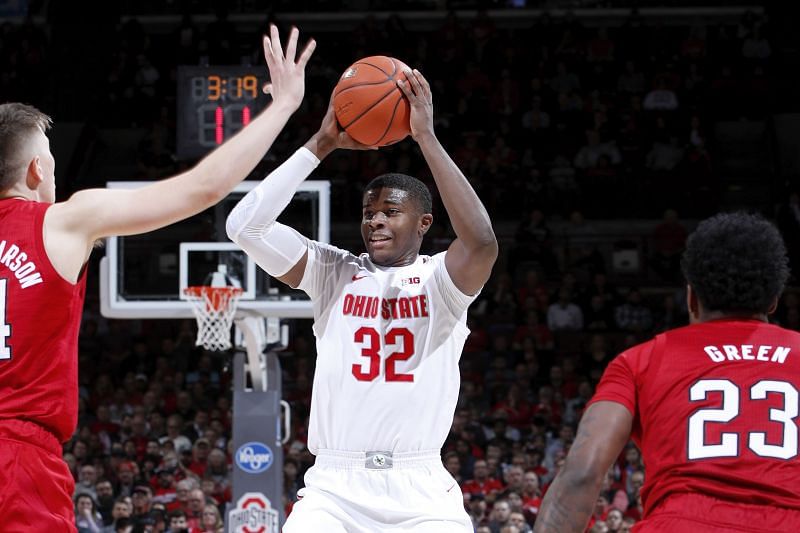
220, 128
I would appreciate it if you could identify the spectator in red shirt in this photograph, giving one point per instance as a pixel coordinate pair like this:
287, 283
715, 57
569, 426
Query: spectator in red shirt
165, 490
182, 490
200, 452
547, 407
126, 474
142, 497
515, 406
531, 493
194, 515
103, 422
481, 483
514, 478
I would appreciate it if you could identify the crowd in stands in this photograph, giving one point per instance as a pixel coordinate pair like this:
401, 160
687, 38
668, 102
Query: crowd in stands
556, 121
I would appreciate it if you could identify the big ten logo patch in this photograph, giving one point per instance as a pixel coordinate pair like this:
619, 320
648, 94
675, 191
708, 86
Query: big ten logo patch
410, 281
253, 514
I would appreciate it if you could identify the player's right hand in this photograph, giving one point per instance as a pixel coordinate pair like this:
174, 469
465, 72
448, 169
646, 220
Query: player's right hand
331, 136
287, 76
418, 91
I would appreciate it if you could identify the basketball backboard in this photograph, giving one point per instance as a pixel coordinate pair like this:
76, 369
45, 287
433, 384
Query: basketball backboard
142, 276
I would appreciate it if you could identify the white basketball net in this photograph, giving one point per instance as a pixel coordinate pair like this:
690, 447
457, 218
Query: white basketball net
214, 308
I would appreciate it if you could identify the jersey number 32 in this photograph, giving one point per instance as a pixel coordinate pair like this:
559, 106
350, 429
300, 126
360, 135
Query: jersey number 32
370, 341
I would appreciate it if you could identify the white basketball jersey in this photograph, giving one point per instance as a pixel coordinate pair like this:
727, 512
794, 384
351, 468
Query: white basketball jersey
388, 345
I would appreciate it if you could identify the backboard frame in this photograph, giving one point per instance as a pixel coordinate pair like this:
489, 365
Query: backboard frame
113, 305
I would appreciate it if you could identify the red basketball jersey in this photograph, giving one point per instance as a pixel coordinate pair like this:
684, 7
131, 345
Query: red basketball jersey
715, 410
40, 315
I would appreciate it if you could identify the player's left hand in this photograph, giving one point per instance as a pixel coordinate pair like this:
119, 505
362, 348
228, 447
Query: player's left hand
418, 91
287, 75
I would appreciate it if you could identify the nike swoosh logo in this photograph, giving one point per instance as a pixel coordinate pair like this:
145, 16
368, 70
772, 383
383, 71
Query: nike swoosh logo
451, 487
357, 277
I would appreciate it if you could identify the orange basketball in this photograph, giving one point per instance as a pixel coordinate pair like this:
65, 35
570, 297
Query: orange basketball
368, 103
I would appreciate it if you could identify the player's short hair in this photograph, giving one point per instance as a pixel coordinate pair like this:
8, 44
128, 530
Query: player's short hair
16, 122
736, 263
418, 191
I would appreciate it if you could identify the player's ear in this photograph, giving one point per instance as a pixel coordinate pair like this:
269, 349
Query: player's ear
692, 304
34, 175
425, 222
773, 307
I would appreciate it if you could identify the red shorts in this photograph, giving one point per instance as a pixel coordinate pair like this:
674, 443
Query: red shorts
36, 484
690, 513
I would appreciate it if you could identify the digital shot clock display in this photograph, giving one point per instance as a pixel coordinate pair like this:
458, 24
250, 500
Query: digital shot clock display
213, 103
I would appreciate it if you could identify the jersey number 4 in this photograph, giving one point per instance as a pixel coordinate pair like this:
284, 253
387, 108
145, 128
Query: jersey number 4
5, 329
756, 440
370, 340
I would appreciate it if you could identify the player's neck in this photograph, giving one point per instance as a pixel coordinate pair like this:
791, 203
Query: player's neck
707, 316
400, 262
13, 196
16, 192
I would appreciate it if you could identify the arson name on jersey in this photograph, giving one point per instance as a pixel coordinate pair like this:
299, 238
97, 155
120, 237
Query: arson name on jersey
389, 308
18, 262
253, 514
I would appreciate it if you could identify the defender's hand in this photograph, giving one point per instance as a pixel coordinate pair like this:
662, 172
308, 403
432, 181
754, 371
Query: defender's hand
287, 76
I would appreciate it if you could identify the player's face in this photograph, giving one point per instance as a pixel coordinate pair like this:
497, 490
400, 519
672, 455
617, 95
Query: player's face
392, 227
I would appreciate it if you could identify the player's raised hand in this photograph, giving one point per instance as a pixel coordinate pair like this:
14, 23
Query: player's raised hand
286, 72
418, 91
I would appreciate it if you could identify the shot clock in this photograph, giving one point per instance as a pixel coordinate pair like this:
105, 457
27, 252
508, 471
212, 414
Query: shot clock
215, 102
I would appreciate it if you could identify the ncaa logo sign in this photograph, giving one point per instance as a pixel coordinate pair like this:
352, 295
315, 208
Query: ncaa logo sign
254, 457
253, 514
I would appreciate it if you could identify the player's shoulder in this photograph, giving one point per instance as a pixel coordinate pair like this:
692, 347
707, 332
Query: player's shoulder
780, 332
16, 205
643, 349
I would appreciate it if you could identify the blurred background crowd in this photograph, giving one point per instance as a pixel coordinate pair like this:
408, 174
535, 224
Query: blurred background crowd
596, 138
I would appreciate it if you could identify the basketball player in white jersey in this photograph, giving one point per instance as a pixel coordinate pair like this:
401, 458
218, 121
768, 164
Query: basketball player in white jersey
390, 325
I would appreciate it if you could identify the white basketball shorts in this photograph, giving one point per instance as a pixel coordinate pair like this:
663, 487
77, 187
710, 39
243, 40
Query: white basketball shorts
375, 492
